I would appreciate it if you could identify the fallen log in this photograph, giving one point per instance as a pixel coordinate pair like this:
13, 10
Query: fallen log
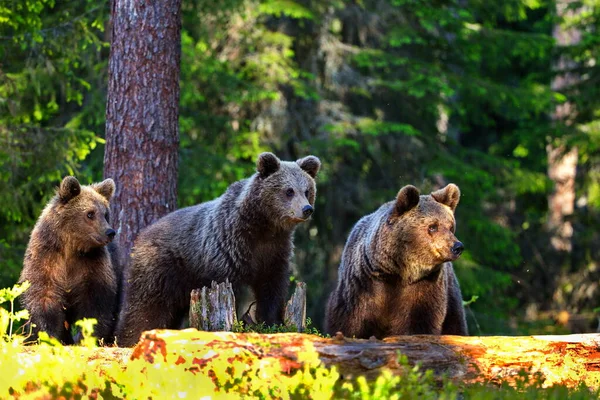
567, 360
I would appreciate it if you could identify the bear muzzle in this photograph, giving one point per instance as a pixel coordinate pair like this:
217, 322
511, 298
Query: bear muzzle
111, 234
307, 211
457, 249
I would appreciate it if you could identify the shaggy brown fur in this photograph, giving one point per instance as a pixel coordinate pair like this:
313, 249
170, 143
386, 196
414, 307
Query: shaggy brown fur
395, 277
71, 263
244, 236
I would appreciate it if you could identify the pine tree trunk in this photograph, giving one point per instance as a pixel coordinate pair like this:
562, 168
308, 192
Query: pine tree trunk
562, 165
142, 135
562, 162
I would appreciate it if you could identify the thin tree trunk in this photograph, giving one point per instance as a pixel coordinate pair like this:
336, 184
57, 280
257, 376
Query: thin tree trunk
562, 162
562, 168
142, 135
562, 165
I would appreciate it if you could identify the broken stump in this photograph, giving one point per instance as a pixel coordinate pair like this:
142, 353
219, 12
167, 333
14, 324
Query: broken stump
213, 309
295, 311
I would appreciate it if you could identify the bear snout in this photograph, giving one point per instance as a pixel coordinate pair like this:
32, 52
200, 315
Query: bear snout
111, 234
457, 248
307, 211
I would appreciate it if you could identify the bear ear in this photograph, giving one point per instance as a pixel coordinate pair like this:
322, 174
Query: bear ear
106, 188
450, 195
310, 164
267, 164
69, 188
407, 199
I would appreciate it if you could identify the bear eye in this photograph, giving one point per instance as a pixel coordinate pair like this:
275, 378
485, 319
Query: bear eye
432, 228
289, 192
90, 215
107, 217
306, 194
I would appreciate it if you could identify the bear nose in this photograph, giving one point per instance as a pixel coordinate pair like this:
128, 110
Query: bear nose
110, 233
307, 211
457, 248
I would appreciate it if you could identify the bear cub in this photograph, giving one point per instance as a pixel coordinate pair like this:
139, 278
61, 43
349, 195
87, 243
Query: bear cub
396, 276
72, 264
244, 236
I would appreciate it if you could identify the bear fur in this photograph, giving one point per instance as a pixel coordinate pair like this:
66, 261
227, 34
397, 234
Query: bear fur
395, 276
71, 263
244, 236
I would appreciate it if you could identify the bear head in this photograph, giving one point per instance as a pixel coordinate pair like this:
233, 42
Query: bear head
81, 213
287, 189
420, 232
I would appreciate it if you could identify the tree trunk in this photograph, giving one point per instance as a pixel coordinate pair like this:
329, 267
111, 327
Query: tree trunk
564, 359
562, 165
142, 135
562, 162
562, 168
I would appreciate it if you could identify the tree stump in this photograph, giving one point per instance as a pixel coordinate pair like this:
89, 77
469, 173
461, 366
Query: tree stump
213, 309
295, 311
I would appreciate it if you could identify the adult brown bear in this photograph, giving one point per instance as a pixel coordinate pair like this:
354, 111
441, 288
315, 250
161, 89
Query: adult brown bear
395, 277
244, 236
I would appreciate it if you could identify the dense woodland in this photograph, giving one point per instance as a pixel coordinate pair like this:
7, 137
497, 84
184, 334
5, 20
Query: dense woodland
501, 98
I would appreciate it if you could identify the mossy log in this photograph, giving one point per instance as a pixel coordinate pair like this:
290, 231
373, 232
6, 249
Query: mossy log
567, 360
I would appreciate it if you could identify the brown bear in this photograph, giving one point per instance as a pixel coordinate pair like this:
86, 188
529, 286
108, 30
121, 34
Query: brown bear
395, 276
244, 236
72, 264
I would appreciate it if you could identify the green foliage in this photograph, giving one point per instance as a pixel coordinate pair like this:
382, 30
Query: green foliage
240, 327
414, 383
48, 51
10, 316
285, 8
233, 69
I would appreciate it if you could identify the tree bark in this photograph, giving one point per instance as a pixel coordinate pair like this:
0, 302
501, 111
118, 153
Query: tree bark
562, 162
295, 311
562, 165
564, 359
142, 134
213, 309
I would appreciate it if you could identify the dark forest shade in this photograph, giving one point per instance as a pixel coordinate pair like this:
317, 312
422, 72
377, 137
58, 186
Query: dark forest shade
142, 110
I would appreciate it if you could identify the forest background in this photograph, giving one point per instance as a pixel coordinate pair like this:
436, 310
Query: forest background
499, 97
